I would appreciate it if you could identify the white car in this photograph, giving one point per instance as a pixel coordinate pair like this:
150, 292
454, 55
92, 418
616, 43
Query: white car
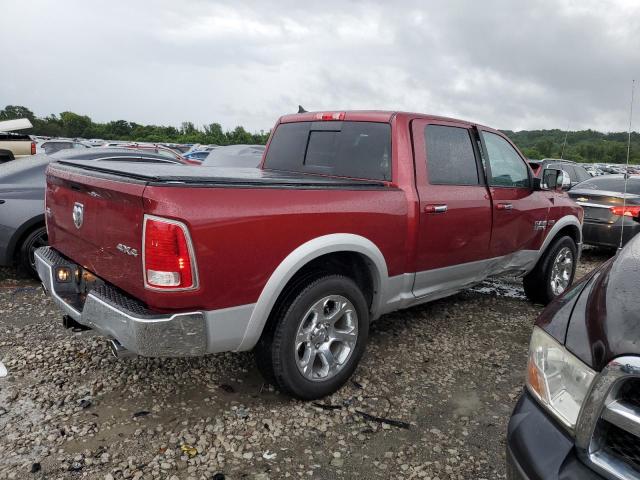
55, 145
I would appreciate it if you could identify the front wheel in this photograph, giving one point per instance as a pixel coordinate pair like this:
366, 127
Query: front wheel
554, 272
316, 339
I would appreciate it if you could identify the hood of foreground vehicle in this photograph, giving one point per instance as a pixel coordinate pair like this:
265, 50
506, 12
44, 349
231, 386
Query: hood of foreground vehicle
599, 319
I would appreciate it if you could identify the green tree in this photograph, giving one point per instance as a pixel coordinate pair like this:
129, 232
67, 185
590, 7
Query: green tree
75, 125
12, 112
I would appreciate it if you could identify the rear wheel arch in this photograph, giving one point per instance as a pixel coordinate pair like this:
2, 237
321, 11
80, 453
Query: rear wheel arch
22, 233
344, 254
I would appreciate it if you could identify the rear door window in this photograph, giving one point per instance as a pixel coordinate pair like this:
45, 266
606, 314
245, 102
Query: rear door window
346, 149
450, 156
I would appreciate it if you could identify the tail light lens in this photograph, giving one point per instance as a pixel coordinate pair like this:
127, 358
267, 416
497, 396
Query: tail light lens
33, 148
168, 259
633, 211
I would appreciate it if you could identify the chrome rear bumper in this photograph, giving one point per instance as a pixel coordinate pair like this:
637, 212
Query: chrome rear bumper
115, 315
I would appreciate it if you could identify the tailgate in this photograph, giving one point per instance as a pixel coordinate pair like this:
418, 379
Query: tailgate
89, 214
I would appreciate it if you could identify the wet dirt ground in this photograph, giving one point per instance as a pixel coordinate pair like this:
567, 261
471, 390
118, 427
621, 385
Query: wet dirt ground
449, 372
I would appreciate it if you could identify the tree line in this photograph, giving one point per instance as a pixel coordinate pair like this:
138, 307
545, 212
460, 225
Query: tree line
73, 125
581, 146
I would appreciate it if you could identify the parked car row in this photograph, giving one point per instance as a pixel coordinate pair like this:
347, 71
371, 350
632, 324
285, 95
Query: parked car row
13, 145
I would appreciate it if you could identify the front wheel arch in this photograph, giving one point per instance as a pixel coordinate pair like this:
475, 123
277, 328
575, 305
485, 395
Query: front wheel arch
537, 283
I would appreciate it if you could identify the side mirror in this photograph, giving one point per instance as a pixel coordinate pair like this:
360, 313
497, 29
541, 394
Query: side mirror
552, 179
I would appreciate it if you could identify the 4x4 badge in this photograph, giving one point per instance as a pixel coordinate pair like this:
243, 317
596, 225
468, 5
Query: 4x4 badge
540, 225
78, 214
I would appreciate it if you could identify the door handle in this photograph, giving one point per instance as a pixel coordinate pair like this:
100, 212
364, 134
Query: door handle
435, 209
504, 206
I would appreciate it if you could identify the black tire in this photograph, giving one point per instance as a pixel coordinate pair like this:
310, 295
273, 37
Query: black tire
275, 352
34, 240
537, 283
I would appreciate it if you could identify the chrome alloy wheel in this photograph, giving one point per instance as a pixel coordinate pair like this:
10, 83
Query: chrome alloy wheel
561, 271
326, 338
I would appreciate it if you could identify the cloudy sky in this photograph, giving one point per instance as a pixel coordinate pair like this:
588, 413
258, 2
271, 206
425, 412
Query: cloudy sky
509, 64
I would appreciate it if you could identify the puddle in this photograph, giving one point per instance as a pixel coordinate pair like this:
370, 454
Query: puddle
500, 288
466, 404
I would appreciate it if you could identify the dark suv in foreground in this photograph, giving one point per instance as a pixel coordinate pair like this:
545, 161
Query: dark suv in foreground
579, 417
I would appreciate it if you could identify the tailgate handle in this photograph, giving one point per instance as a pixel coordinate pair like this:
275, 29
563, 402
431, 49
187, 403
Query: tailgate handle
504, 206
436, 209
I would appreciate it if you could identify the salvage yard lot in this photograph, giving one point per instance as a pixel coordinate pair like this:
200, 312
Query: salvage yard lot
451, 370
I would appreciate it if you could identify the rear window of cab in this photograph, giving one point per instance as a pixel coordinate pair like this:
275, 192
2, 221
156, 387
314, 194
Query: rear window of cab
339, 148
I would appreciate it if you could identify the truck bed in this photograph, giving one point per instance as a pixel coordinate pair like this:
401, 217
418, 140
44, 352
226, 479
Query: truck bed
183, 175
243, 222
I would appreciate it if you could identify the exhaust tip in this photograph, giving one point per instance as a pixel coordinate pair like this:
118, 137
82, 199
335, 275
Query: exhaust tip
118, 350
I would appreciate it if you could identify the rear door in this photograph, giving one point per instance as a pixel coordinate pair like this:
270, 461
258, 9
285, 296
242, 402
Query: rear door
520, 214
455, 208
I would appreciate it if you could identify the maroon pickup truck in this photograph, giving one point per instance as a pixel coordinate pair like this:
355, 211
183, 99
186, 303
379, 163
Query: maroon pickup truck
350, 216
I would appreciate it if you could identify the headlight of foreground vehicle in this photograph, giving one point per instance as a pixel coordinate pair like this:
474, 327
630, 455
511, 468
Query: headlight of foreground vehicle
558, 379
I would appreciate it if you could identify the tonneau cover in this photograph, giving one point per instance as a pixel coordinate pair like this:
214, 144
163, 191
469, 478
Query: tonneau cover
220, 176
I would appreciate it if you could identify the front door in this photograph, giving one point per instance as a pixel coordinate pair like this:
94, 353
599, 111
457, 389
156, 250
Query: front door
455, 208
520, 214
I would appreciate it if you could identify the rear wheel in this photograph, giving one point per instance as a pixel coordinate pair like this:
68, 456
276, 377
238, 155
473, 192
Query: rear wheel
554, 272
316, 339
34, 240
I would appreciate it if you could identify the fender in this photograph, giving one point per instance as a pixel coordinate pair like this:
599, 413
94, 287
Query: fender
338, 242
565, 221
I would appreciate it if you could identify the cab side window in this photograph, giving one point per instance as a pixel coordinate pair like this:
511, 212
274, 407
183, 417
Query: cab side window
450, 156
507, 167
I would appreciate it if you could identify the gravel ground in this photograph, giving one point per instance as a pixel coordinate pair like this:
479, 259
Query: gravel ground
449, 372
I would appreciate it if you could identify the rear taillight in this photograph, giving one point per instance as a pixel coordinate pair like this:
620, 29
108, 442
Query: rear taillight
330, 116
633, 211
33, 148
167, 256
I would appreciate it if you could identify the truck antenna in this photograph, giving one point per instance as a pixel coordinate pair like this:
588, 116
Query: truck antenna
301, 109
626, 170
